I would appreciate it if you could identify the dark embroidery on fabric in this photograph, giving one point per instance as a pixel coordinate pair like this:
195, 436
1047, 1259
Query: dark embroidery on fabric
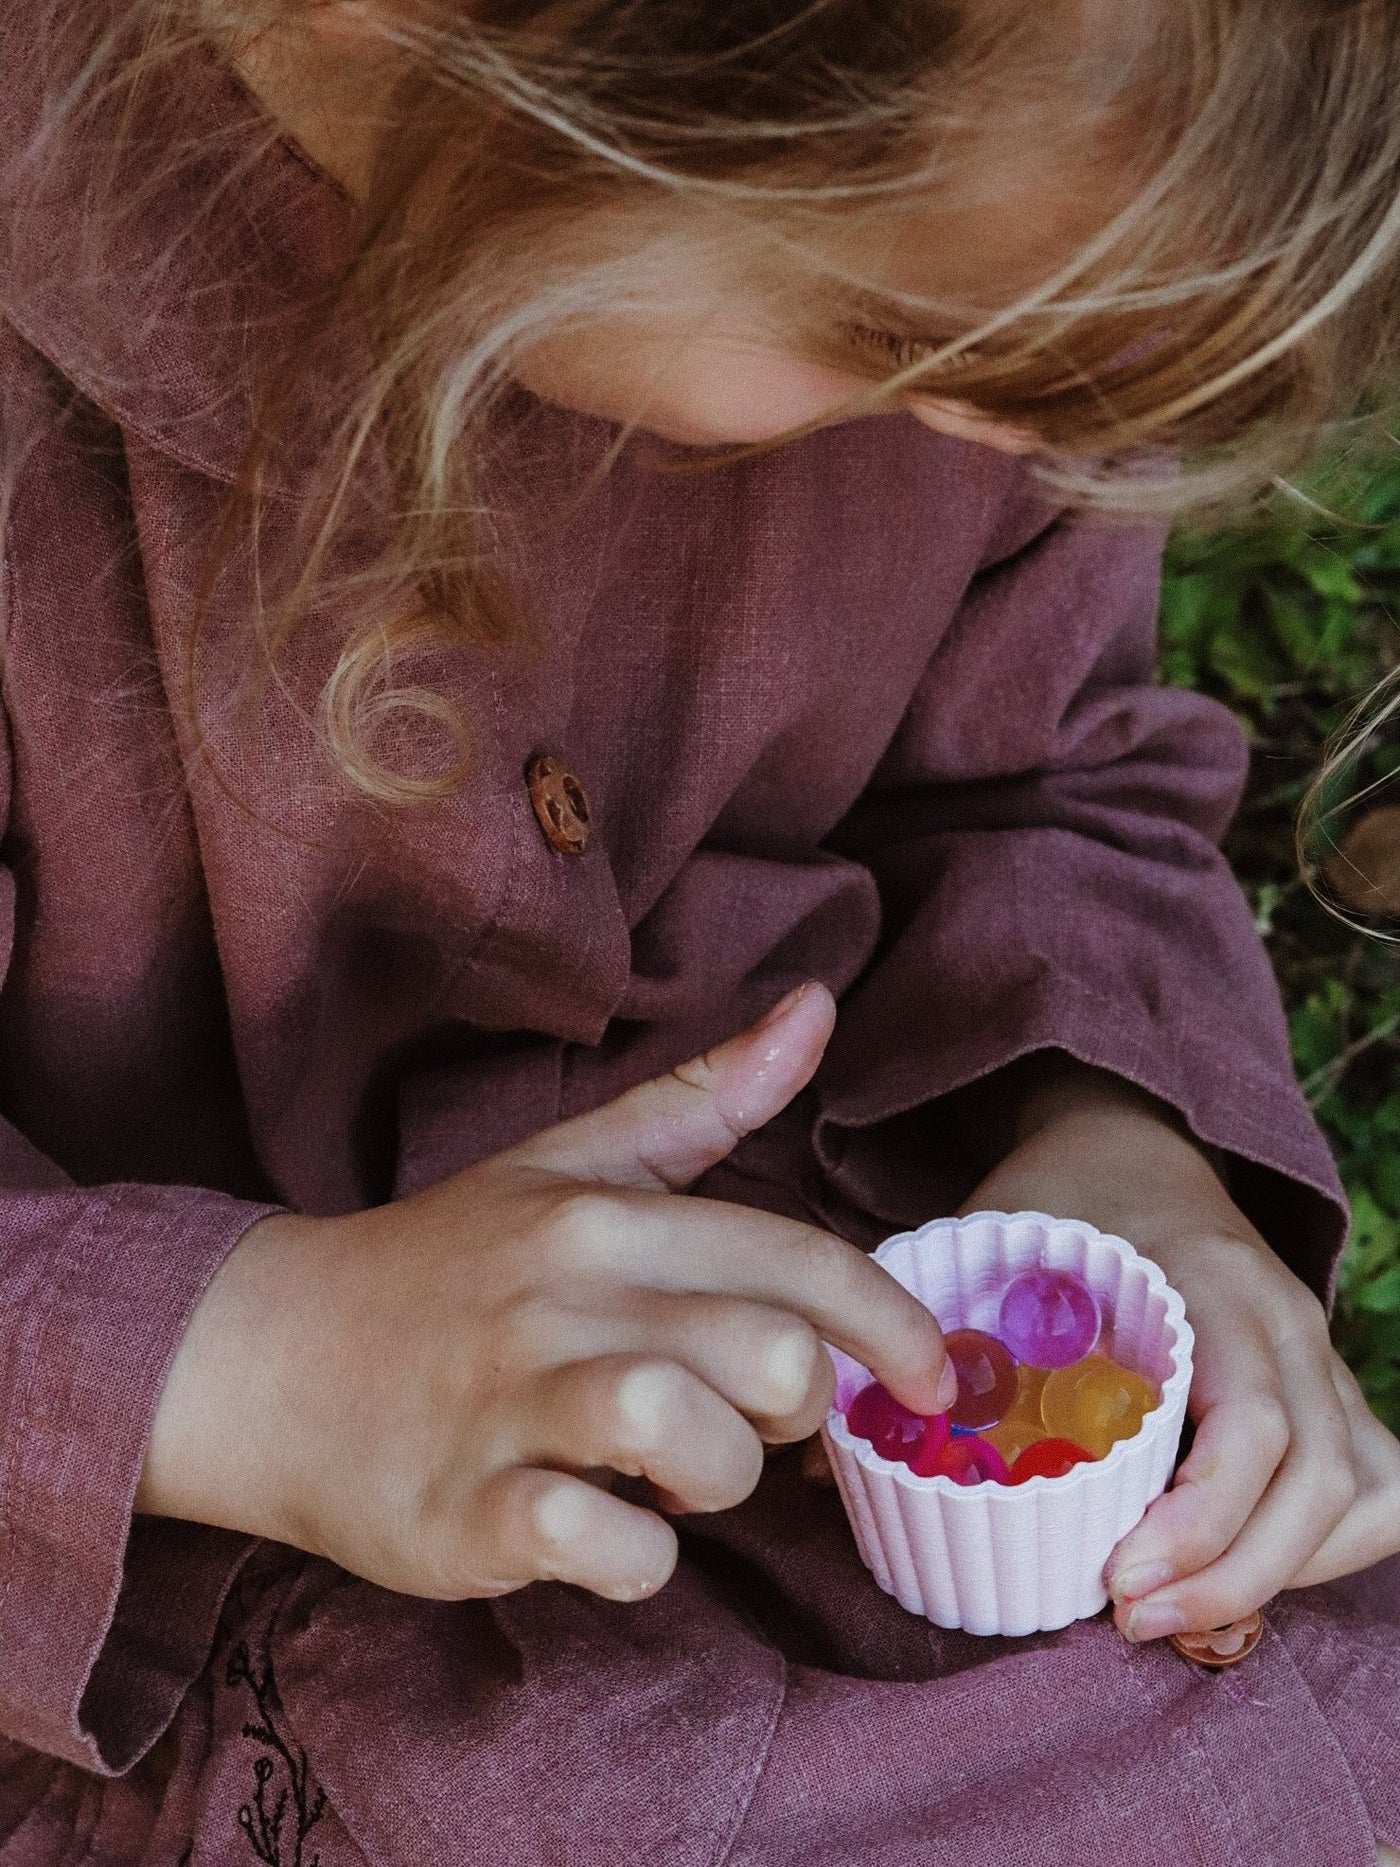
260, 1821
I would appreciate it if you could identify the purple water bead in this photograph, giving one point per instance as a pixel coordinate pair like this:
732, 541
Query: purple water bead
1049, 1319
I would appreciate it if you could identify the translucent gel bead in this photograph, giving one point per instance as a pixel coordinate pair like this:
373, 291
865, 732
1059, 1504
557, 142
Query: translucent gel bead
986, 1377
1048, 1458
1013, 1435
1096, 1403
892, 1429
1030, 1386
971, 1461
1049, 1318
925, 1459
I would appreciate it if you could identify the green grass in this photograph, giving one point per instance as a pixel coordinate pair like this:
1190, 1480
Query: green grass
1290, 621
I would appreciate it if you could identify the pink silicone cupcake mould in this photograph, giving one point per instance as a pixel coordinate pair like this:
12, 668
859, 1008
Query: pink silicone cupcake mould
1019, 1559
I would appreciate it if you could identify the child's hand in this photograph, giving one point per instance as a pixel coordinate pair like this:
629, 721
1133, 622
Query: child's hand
1291, 1480
418, 1391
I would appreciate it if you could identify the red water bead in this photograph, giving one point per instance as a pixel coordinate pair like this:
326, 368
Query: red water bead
987, 1382
893, 1430
1048, 1458
971, 1461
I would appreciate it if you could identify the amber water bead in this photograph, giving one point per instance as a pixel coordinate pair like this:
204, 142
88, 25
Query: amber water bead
1030, 1391
1014, 1435
1096, 1403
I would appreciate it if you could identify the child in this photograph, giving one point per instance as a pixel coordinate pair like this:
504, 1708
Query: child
413, 760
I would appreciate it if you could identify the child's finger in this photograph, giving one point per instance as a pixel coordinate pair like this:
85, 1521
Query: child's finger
1370, 1530
1242, 1435
1310, 1493
1368, 1533
660, 1242
645, 1418
1238, 1448
767, 1363
530, 1525
1282, 1533
666, 1132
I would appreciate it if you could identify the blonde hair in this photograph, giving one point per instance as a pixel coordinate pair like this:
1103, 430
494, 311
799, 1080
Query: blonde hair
1331, 800
1227, 302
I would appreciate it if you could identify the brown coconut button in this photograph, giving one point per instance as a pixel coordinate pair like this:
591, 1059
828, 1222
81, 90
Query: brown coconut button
561, 804
1222, 1646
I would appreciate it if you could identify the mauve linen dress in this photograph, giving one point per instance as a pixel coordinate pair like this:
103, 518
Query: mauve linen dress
863, 709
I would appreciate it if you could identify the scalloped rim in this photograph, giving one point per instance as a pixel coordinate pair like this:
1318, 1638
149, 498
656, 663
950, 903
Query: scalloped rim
1183, 1341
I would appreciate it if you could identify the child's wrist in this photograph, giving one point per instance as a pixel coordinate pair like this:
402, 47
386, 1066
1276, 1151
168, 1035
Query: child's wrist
223, 1442
1090, 1146
1062, 1088
1065, 1091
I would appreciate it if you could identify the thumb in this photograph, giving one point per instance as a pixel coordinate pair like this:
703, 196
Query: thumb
665, 1133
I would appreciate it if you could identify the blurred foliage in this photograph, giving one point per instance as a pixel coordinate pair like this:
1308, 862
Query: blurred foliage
1291, 620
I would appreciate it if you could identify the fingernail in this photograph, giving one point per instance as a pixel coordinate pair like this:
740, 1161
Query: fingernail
782, 1008
633, 1590
1144, 1578
947, 1387
1155, 1623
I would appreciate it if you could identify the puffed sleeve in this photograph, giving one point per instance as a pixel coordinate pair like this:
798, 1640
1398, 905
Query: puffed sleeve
104, 1623
1044, 831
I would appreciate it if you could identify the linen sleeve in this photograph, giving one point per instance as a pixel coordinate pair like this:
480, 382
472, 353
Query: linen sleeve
1044, 832
104, 1623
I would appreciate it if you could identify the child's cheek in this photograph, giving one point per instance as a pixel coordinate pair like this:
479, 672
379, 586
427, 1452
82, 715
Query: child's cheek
702, 393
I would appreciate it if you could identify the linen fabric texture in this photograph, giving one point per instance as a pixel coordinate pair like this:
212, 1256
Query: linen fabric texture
866, 709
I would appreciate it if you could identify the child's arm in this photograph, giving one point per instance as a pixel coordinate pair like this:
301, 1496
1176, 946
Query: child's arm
1044, 831
414, 1390
96, 1286
1291, 1480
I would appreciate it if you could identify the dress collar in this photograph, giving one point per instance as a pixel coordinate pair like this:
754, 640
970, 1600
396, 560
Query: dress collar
218, 256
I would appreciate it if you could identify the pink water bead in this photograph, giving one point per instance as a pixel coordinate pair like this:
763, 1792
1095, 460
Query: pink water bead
986, 1371
1049, 1318
913, 1439
971, 1461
